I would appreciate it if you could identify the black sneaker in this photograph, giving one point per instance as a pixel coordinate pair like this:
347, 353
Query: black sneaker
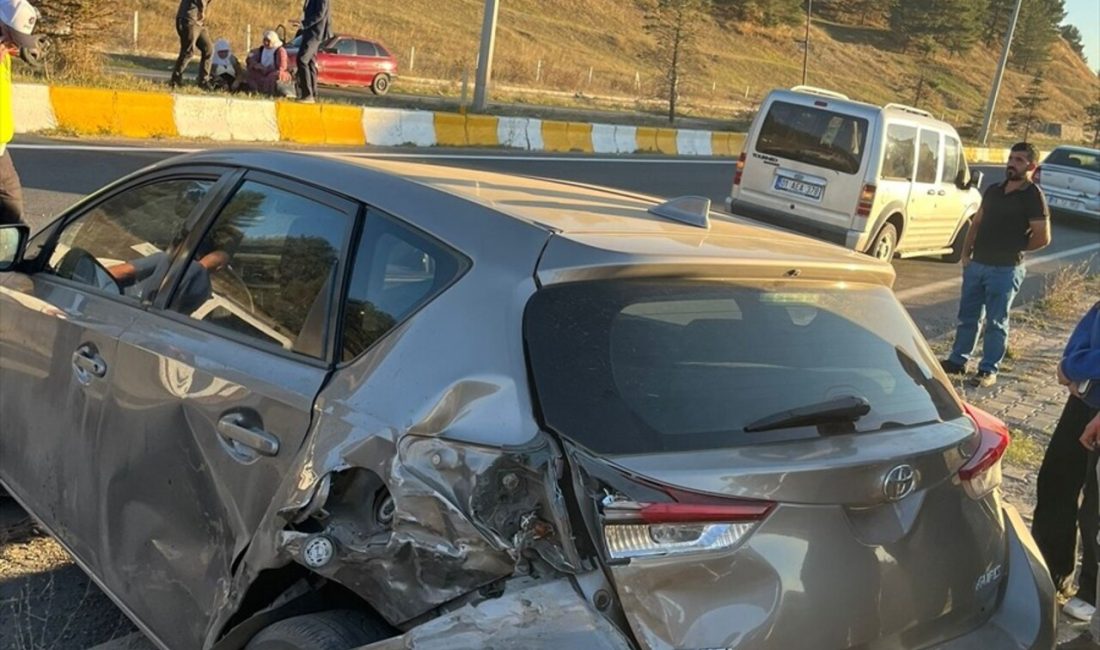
952, 368
984, 379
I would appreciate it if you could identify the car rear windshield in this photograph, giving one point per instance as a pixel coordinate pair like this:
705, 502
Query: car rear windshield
633, 366
1075, 158
814, 136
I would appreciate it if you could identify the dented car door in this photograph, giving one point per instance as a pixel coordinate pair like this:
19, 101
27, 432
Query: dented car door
214, 397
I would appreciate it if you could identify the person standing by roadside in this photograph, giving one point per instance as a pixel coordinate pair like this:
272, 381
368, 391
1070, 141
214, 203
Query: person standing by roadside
191, 28
1090, 640
1067, 468
316, 28
17, 21
1012, 220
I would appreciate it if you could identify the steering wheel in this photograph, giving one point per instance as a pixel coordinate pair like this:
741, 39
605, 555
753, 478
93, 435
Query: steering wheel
81, 266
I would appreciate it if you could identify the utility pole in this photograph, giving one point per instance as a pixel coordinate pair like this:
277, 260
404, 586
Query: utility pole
806, 43
485, 55
987, 121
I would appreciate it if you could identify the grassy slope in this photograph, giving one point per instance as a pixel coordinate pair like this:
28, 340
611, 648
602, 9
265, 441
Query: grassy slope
568, 36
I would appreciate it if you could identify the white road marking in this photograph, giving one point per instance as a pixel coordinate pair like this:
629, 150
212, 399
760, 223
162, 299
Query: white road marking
368, 154
917, 292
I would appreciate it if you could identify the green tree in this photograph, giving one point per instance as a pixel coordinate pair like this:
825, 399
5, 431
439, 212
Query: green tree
951, 24
1036, 31
73, 27
995, 23
674, 24
1072, 36
1092, 121
762, 12
1025, 114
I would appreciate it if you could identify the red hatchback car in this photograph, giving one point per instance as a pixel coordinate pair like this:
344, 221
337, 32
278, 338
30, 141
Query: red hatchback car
345, 60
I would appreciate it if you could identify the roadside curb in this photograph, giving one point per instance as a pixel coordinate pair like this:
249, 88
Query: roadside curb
140, 114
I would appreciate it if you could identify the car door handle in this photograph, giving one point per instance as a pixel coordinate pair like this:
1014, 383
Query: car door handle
232, 427
931, 192
88, 363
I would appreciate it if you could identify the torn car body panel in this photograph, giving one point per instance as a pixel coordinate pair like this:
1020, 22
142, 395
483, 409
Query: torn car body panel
550, 614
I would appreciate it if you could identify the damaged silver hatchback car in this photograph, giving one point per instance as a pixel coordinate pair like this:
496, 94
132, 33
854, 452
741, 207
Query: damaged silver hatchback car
271, 400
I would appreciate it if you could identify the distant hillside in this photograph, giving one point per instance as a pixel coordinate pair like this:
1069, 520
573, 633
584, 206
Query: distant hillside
733, 66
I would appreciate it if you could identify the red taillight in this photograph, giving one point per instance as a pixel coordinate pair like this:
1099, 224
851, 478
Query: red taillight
640, 530
1036, 176
668, 513
739, 170
866, 201
982, 472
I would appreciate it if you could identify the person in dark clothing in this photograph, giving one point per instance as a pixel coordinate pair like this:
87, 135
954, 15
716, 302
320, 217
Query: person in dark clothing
1013, 218
316, 29
191, 27
1067, 468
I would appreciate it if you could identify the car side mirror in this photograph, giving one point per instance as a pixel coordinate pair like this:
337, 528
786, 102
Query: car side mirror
976, 179
13, 241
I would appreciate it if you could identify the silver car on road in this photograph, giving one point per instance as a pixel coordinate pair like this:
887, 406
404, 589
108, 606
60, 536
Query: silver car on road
280, 401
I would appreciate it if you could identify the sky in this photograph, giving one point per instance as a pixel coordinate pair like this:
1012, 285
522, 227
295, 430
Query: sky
1085, 15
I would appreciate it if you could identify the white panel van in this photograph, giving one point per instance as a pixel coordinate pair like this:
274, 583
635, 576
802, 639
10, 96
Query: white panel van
883, 180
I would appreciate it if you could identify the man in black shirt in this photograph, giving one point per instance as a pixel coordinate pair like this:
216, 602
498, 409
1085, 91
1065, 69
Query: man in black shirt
1014, 218
191, 28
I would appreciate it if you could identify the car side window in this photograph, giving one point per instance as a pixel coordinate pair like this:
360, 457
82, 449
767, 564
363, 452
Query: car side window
366, 48
951, 155
901, 145
125, 244
266, 269
345, 46
928, 156
396, 270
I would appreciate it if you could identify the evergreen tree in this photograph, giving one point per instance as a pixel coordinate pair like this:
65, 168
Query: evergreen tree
951, 24
1025, 114
675, 25
1072, 36
1092, 121
1036, 31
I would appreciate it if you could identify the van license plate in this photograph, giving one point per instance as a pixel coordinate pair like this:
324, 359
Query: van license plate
811, 190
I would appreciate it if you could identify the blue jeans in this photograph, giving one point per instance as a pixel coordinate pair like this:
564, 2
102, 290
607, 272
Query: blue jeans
986, 291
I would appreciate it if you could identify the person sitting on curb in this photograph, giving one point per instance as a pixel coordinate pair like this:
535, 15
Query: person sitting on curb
226, 71
267, 68
1090, 640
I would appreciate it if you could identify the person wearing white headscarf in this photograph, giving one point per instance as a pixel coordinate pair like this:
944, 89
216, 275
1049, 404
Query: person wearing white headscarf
226, 72
267, 66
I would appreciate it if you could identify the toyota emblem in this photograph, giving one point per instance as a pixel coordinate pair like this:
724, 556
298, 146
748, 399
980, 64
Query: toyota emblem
899, 482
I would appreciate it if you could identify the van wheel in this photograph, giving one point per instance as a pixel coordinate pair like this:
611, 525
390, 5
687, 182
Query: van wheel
885, 243
334, 630
380, 85
956, 253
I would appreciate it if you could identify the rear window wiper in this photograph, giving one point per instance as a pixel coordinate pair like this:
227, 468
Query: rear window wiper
843, 409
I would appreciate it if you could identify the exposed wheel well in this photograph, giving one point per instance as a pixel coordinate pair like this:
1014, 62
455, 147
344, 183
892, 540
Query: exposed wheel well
282, 593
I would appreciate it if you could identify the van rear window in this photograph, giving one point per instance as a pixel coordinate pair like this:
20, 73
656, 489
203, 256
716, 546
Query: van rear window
814, 136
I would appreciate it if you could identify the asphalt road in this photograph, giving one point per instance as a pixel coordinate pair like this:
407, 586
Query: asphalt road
46, 602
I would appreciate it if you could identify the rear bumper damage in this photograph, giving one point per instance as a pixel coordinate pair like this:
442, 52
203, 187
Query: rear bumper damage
550, 614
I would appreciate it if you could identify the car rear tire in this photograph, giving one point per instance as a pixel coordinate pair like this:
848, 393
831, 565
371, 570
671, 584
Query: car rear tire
380, 85
885, 243
956, 253
334, 630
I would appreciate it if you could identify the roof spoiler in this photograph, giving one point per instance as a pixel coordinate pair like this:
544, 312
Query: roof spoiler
814, 90
910, 109
692, 210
